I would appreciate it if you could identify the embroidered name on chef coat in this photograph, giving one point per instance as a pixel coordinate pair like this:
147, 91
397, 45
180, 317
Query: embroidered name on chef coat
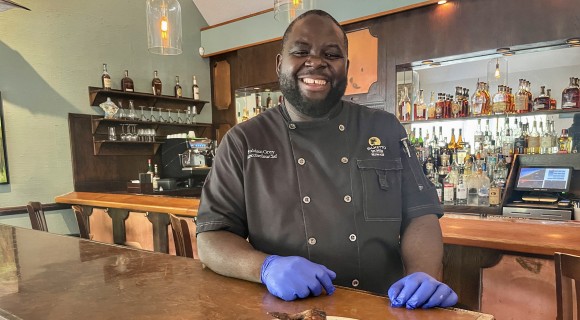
262, 154
376, 148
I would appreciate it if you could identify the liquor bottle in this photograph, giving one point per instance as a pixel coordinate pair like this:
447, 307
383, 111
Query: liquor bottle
512, 102
447, 106
478, 136
448, 190
269, 101
420, 107
528, 86
461, 151
155, 178
534, 140
258, 107
456, 103
500, 100
106, 78
521, 99
555, 138
480, 100
127, 83
452, 146
564, 142
150, 169
405, 106
542, 102
156, 84
195, 89
472, 188
177, 91
520, 141
465, 103
461, 189
438, 186
571, 95
439, 106
431, 108
545, 139
483, 188
494, 194
552, 100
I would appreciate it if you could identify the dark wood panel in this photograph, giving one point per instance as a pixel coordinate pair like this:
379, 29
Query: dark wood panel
257, 64
221, 116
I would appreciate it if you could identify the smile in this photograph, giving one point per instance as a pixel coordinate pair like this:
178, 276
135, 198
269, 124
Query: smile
310, 81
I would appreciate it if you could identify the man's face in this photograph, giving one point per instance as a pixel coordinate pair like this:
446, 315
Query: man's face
313, 65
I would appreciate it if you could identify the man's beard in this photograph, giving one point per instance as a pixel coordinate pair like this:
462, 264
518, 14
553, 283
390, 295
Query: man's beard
311, 108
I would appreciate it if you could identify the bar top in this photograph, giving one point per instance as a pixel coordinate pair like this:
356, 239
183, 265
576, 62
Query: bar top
50, 276
134, 202
512, 234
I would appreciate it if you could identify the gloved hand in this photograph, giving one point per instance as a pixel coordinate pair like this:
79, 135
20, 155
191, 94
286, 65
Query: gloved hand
294, 277
420, 290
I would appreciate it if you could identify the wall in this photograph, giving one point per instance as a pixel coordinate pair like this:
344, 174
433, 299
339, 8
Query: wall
48, 58
264, 27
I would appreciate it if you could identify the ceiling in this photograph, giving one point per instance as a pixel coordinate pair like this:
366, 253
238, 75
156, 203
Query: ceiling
218, 11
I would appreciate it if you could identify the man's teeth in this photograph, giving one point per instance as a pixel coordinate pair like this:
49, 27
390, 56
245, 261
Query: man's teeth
314, 81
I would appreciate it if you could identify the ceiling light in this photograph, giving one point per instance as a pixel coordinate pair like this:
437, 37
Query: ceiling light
288, 10
442, 2
427, 62
575, 45
508, 53
164, 27
8, 4
256, 88
573, 41
502, 50
436, 64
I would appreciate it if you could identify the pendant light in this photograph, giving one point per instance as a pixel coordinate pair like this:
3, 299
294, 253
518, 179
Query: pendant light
288, 10
8, 4
164, 27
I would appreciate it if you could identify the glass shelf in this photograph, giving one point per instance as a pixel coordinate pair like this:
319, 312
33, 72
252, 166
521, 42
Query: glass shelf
493, 116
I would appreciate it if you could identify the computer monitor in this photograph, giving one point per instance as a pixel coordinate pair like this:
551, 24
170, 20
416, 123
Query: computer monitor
544, 179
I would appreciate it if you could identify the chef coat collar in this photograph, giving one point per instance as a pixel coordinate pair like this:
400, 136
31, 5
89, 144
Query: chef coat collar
334, 113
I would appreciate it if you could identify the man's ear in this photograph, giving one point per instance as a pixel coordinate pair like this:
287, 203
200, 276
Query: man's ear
278, 63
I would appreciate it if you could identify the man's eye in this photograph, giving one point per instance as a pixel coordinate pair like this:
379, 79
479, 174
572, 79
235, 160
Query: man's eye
300, 53
331, 55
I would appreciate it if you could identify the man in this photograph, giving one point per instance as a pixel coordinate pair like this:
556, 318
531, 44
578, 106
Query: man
322, 189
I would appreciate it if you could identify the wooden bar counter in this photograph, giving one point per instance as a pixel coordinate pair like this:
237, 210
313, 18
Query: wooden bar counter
48, 276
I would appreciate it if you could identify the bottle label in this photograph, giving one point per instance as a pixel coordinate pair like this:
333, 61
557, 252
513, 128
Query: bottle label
178, 92
494, 196
107, 83
448, 194
196, 93
461, 192
521, 103
439, 193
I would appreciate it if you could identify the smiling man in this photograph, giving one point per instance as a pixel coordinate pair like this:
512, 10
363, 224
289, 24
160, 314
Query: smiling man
319, 191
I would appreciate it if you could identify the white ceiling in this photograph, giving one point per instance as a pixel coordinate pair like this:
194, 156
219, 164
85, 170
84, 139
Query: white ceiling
218, 11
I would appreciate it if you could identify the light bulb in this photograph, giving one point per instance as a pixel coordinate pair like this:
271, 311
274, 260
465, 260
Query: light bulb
497, 74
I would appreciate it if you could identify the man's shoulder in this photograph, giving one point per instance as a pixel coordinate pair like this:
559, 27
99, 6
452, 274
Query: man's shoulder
370, 112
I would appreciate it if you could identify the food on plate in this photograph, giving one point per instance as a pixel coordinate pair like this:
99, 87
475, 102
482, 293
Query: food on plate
311, 314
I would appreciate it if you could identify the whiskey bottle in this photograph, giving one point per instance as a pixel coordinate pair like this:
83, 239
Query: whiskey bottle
127, 83
269, 101
530, 97
431, 107
480, 100
405, 106
521, 99
564, 142
552, 100
177, 91
534, 140
195, 89
571, 95
465, 103
542, 102
155, 179
439, 106
500, 100
106, 78
420, 107
494, 193
156, 84
456, 103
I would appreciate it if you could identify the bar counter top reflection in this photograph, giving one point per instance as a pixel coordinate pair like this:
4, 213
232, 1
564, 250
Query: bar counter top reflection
90, 280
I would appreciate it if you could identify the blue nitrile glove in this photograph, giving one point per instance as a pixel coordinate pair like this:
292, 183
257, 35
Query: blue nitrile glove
420, 290
294, 277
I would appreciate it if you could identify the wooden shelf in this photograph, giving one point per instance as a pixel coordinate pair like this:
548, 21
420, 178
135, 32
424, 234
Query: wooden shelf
124, 148
472, 210
491, 116
100, 95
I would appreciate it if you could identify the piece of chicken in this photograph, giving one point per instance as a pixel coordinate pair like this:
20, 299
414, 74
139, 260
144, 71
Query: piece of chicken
311, 314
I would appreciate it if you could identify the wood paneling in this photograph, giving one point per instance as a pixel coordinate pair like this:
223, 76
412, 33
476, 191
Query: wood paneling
222, 94
363, 50
257, 65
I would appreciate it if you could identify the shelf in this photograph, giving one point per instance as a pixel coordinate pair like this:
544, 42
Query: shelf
492, 116
99, 95
96, 121
472, 210
124, 148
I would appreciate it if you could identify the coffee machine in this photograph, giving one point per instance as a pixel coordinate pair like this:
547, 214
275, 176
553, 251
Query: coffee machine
185, 162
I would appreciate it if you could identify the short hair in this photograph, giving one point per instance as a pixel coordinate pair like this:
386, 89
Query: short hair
318, 13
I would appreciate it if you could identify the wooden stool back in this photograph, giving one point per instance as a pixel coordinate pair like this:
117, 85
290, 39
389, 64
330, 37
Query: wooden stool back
181, 236
567, 286
36, 214
81, 221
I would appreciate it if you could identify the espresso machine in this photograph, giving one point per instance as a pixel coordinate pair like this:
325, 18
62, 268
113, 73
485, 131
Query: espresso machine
185, 162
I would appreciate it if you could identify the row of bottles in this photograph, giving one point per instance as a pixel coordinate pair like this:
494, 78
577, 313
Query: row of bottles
251, 110
127, 84
154, 173
482, 103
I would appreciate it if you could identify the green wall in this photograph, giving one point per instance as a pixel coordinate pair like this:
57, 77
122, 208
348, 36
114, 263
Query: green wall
48, 58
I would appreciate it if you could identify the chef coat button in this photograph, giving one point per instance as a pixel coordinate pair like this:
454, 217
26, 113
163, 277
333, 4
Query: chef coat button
306, 199
301, 161
292, 126
355, 283
352, 237
341, 127
347, 198
312, 241
344, 160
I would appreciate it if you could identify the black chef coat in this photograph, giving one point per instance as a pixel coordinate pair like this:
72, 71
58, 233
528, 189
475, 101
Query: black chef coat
334, 191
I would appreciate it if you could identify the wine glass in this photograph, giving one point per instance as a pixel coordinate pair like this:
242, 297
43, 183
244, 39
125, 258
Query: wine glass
121, 110
169, 117
151, 115
161, 119
142, 117
179, 120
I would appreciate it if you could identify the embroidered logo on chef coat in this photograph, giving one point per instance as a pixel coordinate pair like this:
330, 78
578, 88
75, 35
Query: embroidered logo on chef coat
262, 154
376, 148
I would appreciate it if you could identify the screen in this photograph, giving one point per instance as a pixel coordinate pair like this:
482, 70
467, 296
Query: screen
554, 179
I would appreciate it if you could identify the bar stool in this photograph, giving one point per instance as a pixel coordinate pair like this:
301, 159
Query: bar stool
567, 286
82, 222
36, 214
181, 236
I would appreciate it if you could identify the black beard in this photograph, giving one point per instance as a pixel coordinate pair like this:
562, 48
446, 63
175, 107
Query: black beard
311, 108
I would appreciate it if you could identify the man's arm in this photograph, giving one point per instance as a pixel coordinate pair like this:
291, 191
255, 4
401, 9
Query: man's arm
230, 255
422, 246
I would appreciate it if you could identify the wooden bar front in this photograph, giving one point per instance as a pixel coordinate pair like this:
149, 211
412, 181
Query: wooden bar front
48, 276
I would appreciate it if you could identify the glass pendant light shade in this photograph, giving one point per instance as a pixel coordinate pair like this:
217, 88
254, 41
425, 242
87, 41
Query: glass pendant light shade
164, 27
288, 10
497, 72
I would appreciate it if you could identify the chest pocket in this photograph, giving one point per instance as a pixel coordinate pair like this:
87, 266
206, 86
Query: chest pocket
381, 189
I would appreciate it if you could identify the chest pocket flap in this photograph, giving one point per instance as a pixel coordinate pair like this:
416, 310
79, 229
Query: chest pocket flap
381, 188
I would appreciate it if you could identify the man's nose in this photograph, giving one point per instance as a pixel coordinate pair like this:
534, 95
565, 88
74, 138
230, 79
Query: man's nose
315, 61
